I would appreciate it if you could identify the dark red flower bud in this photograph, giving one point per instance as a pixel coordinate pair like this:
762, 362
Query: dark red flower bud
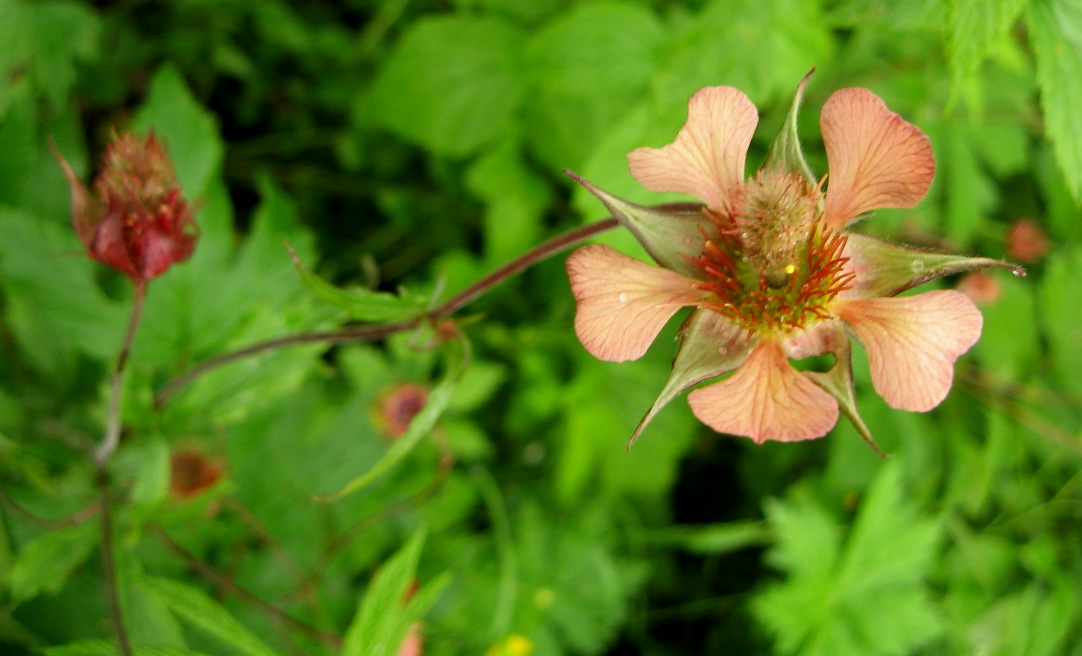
398, 406
139, 222
191, 472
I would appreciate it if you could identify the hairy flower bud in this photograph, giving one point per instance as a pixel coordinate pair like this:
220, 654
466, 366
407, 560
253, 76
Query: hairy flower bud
138, 222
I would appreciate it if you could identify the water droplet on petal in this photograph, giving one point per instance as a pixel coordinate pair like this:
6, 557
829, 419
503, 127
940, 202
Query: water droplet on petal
622, 297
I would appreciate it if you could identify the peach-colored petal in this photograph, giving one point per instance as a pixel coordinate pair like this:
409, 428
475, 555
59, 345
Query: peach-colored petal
876, 158
707, 158
623, 303
912, 343
766, 399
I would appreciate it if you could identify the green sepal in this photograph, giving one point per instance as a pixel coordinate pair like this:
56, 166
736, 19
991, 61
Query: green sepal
885, 268
785, 153
838, 382
668, 233
710, 345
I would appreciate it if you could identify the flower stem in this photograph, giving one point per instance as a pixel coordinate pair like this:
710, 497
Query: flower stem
370, 332
112, 430
109, 567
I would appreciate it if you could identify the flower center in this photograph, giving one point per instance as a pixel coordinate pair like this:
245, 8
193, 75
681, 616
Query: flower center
773, 267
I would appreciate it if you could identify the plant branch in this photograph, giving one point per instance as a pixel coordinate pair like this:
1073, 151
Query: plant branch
112, 431
227, 585
370, 332
109, 568
77, 517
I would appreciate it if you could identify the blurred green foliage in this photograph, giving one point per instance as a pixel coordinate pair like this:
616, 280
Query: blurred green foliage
402, 150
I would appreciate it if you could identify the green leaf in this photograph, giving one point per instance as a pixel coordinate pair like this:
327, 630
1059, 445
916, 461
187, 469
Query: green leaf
362, 304
106, 648
199, 610
423, 422
188, 130
974, 27
53, 304
587, 68
45, 564
48, 38
385, 615
767, 63
1061, 316
515, 201
1010, 344
1055, 29
152, 472
451, 84
835, 597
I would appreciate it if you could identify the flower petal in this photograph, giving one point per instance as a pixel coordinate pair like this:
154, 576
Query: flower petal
766, 399
707, 158
876, 158
912, 343
623, 303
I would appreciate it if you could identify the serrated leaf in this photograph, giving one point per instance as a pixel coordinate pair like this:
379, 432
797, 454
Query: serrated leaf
188, 130
44, 565
199, 610
975, 26
1055, 28
450, 84
361, 304
835, 596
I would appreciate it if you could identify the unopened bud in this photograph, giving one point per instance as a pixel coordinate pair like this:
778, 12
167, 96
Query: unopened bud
139, 221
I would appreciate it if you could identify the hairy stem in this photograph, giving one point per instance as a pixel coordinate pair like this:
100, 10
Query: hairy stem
109, 568
112, 431
370, 332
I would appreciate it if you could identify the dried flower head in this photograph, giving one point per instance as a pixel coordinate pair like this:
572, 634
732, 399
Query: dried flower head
192, 472
139, 221
774, 275
399, 405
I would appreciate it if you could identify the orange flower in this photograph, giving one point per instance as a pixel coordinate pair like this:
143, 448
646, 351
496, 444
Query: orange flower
139, 222
773, 274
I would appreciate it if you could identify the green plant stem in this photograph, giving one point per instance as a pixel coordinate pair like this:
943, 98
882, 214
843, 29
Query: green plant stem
370, 332
108, 446
109, 568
